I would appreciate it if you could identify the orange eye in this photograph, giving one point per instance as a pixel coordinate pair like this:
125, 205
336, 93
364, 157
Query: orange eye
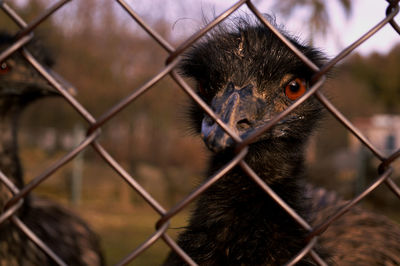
4, 68
295, 89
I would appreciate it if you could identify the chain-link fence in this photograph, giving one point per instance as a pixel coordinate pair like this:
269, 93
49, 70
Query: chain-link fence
25, 35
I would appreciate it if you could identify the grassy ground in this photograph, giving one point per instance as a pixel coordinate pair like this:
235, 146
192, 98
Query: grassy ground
115, 211
122, 231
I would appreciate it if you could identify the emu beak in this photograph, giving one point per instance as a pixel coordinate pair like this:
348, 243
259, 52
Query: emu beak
236, 107
213, 135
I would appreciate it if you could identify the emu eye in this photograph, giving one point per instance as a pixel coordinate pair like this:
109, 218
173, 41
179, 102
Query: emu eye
295, 89
4, 68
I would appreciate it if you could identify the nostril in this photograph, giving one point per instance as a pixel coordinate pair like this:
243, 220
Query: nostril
243, 124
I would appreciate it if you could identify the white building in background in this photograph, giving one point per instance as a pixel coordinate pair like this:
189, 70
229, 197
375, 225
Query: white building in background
382, 130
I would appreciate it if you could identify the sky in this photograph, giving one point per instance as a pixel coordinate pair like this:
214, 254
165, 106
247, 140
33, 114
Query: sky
366, 14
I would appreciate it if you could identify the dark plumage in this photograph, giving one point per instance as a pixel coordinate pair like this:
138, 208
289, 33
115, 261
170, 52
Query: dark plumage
64, 232
248, 76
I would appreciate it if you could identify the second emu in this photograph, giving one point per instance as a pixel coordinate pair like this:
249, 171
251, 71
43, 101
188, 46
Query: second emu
66, 234
248, 76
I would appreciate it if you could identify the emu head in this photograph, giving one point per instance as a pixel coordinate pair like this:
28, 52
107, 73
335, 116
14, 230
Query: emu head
248, 76
18, 79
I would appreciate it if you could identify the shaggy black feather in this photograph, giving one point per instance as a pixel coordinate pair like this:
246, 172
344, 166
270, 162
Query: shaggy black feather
234, 221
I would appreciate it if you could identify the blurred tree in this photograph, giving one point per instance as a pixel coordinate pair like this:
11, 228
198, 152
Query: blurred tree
29, 11
380, 73
318, 13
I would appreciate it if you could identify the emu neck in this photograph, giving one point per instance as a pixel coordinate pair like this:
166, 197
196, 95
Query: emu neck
10, 166
281, 166
236, 223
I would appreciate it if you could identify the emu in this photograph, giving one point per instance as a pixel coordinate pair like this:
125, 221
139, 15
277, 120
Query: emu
248, 76
67, 235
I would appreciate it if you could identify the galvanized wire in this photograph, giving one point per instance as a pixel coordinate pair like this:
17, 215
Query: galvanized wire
25, 35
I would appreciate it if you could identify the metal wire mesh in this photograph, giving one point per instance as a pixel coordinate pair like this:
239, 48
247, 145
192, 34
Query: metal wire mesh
93, 131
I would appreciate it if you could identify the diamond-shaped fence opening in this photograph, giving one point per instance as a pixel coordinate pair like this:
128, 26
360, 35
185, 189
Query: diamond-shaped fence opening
14, 203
